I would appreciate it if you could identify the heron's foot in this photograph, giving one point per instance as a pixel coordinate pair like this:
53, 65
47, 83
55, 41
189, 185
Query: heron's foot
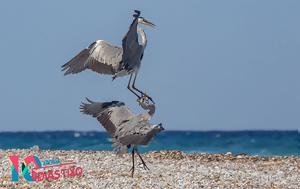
132, 171
144, 166
144, 95
143, 99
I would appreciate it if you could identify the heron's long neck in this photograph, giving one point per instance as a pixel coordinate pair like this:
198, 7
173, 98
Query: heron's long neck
150, 113
143, 37
151, 110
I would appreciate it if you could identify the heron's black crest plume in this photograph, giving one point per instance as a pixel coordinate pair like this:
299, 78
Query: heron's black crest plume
138, 13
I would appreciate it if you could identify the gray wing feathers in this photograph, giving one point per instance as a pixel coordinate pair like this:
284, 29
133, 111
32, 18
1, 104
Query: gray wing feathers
109, 114
76, 64
92, 108
100, 57
96, 110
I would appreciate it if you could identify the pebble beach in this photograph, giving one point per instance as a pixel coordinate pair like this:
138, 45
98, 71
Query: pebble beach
168, 169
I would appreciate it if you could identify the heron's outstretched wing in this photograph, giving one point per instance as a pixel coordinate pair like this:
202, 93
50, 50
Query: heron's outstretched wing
109, 114
130, 44
100, 57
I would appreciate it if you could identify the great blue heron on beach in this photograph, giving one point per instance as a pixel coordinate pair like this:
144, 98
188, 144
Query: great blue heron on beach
105, 58
127, 129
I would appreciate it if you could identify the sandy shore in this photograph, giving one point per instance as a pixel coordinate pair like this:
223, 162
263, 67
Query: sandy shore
168, 169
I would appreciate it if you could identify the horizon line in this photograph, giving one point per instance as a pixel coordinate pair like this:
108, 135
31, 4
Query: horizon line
171, 130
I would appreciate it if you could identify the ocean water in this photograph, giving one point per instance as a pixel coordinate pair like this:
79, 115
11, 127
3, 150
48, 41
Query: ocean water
262, 143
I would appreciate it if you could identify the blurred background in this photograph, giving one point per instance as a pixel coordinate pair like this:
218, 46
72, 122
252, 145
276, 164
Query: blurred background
209, 65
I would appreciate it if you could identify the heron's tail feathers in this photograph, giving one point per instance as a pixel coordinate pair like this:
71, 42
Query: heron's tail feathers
76, 64
118, 147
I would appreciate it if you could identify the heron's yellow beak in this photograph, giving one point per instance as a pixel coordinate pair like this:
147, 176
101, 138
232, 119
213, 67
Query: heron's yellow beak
147, 22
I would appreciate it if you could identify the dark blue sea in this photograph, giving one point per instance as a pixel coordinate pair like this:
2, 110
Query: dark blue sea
262, 143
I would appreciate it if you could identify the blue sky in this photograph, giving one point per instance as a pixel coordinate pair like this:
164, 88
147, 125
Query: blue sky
209, 65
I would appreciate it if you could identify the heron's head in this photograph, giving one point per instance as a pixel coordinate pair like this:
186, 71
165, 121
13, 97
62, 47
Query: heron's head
145, 102
142, 20
158, 128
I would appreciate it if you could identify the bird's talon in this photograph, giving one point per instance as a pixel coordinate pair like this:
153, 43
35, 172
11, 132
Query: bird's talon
132, 171
151, 100
144, 166
147, 97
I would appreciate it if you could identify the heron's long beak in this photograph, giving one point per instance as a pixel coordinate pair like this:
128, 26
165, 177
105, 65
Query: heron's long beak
161, 127
147, 23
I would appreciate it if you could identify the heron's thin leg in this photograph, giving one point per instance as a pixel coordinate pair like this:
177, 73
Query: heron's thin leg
133, 86
143, 162
128, 86
132, 168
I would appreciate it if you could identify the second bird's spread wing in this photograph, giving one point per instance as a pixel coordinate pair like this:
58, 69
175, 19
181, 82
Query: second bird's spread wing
100, 57
109, 114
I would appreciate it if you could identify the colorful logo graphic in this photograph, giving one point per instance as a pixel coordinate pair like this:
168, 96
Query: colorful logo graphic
33, 169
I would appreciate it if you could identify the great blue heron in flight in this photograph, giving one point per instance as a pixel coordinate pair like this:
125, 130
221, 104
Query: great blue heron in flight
105, 58
126, 129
